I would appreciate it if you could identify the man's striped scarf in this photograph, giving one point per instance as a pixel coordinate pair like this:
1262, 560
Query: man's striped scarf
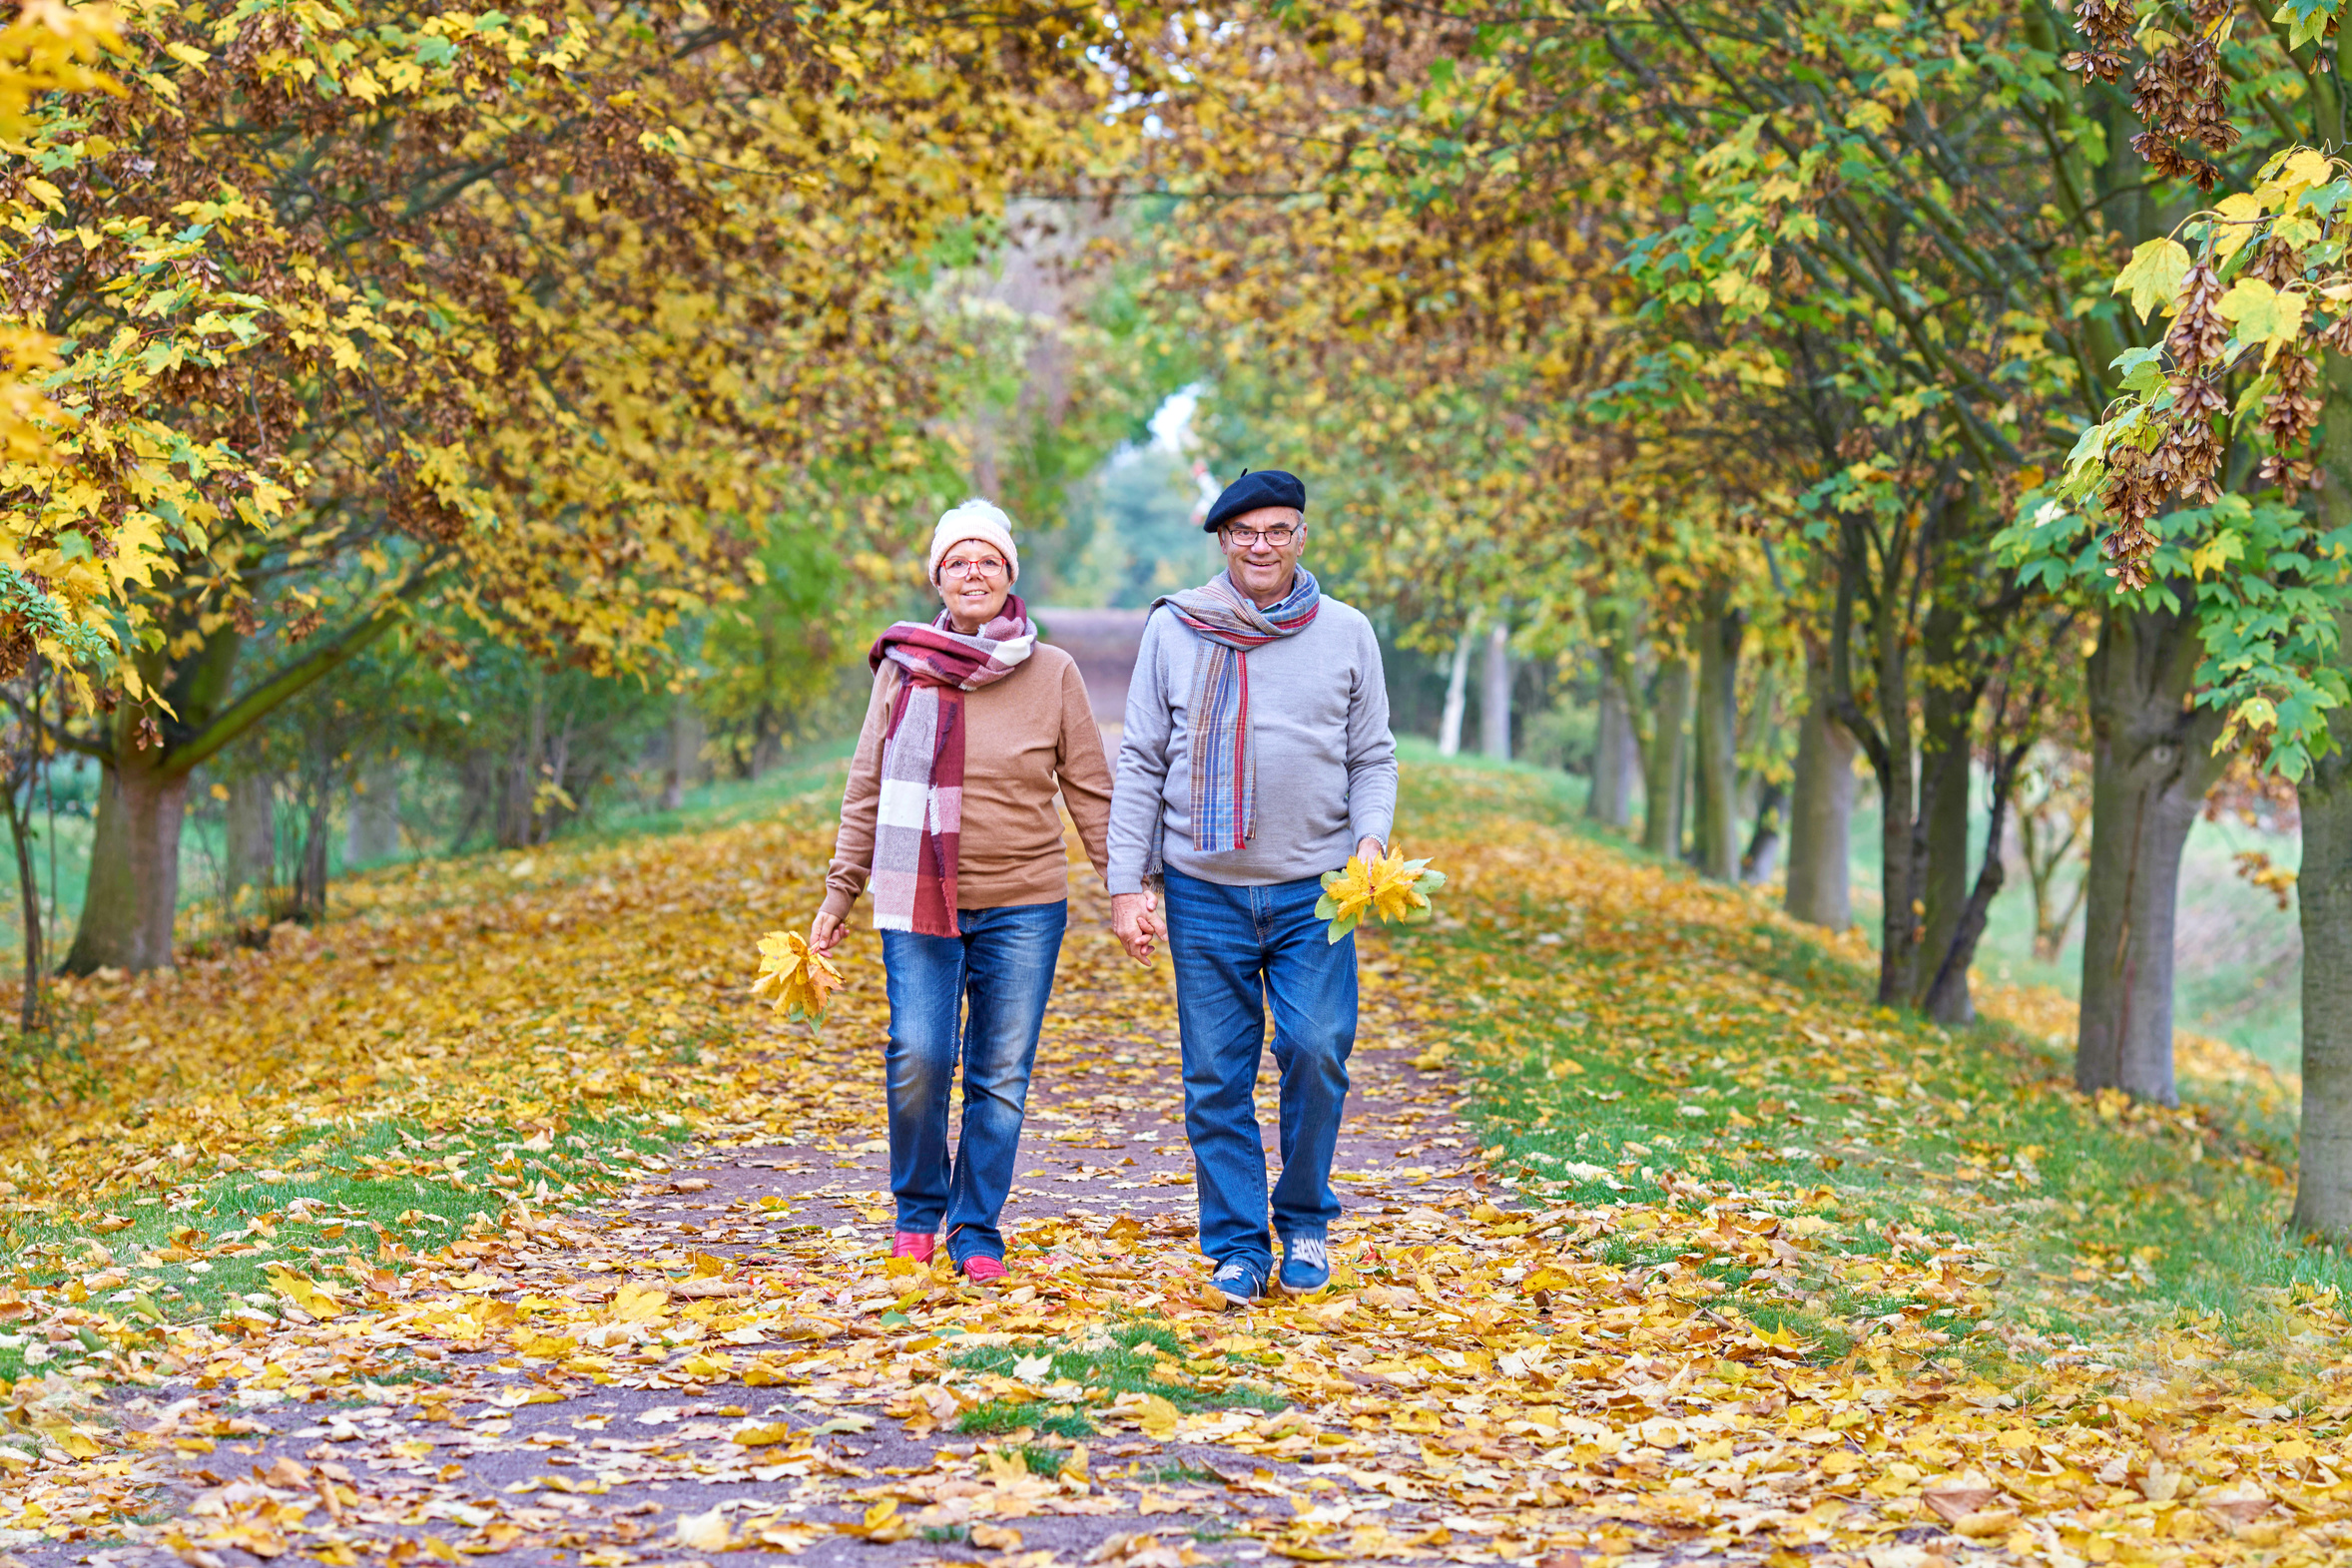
919, 814
1224, 751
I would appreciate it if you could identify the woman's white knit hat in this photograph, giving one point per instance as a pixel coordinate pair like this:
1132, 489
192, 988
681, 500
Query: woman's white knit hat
974, 519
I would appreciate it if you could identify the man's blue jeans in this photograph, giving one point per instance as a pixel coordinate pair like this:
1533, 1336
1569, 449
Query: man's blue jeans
1235, 948
1003, 965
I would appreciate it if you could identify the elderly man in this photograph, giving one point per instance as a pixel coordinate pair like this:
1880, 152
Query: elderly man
1256, 758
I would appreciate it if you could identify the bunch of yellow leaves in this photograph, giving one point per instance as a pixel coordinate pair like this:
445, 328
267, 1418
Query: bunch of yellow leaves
795, 975
1392, 888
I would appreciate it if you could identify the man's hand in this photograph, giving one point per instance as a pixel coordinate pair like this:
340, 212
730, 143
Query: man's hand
1370, 848
1136, 922
825, 933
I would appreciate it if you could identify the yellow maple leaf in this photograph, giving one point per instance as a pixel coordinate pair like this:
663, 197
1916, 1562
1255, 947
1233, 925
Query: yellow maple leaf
1350, 892
1395, 892
793, 975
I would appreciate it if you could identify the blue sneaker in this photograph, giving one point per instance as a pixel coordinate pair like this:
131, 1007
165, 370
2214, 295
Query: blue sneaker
1239, 1282
1306, 1266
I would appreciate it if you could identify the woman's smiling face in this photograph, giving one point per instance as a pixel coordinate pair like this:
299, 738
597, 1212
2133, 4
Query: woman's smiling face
972, 581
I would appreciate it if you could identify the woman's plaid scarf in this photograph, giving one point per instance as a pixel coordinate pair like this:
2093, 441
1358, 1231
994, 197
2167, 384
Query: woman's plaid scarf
919, 814
1224, 751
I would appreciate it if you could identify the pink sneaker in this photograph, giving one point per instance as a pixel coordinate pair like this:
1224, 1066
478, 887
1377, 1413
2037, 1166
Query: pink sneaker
980, 1269
918, 1245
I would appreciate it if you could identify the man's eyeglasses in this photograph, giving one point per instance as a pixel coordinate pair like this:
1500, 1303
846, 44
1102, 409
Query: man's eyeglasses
991, 569
1277, 537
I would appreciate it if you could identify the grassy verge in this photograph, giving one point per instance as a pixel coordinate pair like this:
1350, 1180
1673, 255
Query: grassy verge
463, 1031
1637, 1035
345, 1211
1073, 1374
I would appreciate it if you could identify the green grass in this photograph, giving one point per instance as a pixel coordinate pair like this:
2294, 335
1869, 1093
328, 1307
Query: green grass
1181, 1473
2111, 1219
1144, 1358
348, 1204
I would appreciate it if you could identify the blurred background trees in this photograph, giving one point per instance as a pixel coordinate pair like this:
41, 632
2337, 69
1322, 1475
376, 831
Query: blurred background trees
1877, 449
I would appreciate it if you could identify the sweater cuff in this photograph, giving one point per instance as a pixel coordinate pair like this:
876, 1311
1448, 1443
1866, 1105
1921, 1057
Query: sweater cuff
1124, 879
837, 904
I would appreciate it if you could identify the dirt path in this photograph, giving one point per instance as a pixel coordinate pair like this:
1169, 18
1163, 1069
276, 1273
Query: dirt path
721, 1363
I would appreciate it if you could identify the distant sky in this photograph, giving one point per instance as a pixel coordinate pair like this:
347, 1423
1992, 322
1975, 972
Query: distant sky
1171, 427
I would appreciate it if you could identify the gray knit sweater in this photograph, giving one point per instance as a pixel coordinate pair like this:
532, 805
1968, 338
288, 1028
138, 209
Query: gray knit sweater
1327, 765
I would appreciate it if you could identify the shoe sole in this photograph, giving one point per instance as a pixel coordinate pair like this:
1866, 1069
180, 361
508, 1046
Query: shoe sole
1280, 1289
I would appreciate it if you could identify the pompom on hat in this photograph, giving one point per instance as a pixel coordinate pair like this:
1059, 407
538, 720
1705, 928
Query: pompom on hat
974, 519
1266, 487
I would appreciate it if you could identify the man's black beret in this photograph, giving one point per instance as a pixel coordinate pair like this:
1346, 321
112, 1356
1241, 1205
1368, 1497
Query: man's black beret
1266, 487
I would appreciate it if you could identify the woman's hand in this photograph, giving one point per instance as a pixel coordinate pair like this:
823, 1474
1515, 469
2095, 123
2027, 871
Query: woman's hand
1136, 922
825, 933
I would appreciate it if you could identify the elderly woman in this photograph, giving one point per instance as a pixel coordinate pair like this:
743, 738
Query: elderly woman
949, 812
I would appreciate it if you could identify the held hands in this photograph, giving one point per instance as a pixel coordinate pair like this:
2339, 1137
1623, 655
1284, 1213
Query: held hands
1136, 922
825, 933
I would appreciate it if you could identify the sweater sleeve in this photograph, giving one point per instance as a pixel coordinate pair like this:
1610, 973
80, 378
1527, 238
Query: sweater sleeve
1144, 745
1084, 772
852, 842
1372, 750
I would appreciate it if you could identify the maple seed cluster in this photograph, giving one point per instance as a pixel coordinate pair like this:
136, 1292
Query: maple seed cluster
2179, 94
1391, 889
794, 976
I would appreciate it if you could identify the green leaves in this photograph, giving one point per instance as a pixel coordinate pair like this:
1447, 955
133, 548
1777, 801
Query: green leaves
2154, 275
2305, 20
2268, 588
2262, 314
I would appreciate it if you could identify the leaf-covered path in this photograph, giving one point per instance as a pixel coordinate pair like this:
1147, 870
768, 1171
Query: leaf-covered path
1599, 1337
737, 1369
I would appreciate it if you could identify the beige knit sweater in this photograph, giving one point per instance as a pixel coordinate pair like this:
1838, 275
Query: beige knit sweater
1023, 736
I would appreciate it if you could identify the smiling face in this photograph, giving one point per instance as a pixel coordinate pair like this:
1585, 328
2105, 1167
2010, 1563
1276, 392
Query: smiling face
1258, 565
972, 581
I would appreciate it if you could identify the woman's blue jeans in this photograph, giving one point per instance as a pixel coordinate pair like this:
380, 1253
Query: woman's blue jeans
1002, 967
1236, 949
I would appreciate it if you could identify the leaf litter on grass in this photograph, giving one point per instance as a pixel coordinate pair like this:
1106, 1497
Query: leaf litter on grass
1658, 1339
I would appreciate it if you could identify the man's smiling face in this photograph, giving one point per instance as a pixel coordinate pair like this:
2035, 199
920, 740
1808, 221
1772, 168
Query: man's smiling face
1257, 555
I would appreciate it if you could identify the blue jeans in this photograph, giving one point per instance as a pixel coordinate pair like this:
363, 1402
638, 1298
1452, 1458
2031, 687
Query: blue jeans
1235, 948
1003, 965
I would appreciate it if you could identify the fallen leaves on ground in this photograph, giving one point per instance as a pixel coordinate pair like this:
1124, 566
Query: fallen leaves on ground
1499, 1372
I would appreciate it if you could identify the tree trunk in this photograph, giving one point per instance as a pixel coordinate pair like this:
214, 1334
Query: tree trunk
1947, 999
1761, 858
1616, 749
133, 890
1821, 814
310, 872
1456, 690
134, 878
1903, 849
253, 837
30, 1013
2152, 763
2323, 1170
2323, 889
1494, 695
682, 768
375, 813
1666, 760
1948, 709
1716, 729
766, 743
